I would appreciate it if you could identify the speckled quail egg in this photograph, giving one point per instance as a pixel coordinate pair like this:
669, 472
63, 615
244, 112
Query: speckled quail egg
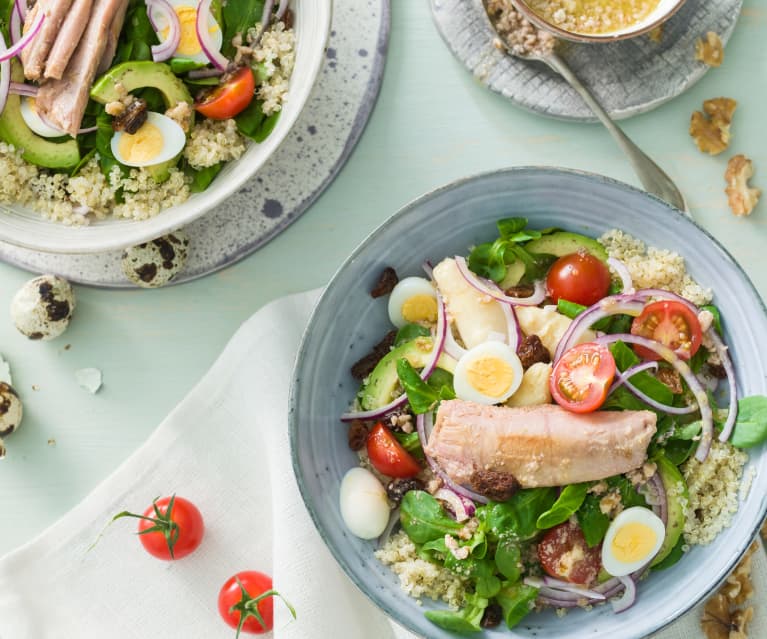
489, 373
11, 410
158, 140
154, 264
364, 505
412, 300
42, 308
632, 540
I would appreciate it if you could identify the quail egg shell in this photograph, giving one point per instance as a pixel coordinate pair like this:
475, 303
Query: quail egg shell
364, 506
632, 540
154, 264
33, 120
413, 300
42, 308
11, 410
189, 46
158, 140
489, 373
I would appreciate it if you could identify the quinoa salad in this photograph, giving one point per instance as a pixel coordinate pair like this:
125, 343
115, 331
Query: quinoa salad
552, 419
136, 121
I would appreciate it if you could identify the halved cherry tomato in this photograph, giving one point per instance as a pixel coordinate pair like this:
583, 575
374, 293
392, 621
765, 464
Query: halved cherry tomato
578, 277
670, 323
582, 376
246, 602
171, 528
388, 456
230, 98
564, 554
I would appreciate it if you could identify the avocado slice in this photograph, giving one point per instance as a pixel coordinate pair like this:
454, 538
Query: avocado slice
564, 243
35, 149
381, 386
677, 498
129, 76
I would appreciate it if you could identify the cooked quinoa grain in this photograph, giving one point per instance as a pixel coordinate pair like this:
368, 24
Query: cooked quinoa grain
212, 142
418, 577
593, 16
275, 56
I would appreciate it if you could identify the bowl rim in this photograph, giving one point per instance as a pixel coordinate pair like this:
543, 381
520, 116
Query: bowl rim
573, 36
301, 481
121, 240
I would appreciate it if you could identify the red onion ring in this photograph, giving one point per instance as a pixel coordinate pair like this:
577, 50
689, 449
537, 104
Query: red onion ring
14, 24
5, 76
623, 273
281, 10
166, 49
564, 586
20, 88
621, 378
729, 369
624, 379
629, 595
25, 39
452, 348
661, 508
22, 7
428, 369
491, 289
428, 268
456, 503
266, 15
706, 415
209, 47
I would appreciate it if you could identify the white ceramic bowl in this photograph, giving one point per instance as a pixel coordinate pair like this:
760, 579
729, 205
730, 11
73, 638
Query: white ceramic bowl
25, 227
661, 13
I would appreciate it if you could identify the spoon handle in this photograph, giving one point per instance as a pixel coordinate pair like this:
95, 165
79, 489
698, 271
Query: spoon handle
650, 174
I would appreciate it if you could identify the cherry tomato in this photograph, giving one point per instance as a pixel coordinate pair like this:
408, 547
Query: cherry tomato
388, 456
564, 554
170, 528
670, 323
230, 98
582, 376
246, 602
578, 277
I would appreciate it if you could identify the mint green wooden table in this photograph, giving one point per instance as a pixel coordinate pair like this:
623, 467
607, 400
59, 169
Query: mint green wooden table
433, 123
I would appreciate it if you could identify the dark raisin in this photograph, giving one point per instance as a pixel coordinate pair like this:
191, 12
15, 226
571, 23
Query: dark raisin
531, 351
365, 366
287, 19
492, 616
398, 487
670, 378
358, 434
385, 283
717, 370
493, 484
132, 118
523, 290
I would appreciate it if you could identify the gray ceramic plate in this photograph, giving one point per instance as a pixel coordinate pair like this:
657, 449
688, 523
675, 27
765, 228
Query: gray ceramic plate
628, 77
346, 323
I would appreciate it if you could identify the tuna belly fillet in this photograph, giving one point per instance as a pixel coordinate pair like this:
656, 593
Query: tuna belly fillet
542, 445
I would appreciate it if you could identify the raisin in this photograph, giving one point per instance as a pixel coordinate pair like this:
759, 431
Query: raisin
365, 366
492, 616
398, 487
358, 434
531, 351
386, 283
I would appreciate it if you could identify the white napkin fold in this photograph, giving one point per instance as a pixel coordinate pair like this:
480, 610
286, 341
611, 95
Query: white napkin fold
225, 447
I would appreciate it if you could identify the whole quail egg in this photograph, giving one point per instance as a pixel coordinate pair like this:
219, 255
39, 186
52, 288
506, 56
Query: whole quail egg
42, 308
154, 264
11, 410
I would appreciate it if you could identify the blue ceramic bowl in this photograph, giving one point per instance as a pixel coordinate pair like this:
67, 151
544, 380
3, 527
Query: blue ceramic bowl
347, 322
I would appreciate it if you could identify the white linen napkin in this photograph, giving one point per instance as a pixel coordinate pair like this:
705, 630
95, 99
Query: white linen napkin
225, 447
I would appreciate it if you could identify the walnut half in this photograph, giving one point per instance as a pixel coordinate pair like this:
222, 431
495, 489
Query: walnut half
711, 128
710, 50
740, 196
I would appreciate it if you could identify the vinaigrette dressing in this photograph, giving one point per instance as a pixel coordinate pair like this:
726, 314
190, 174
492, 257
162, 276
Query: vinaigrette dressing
593, 16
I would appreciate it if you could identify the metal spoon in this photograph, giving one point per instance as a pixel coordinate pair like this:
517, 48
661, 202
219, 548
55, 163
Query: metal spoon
652, 177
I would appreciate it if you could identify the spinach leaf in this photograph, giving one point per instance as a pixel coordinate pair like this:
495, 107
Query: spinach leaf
464, 621
83, 161
411, 443
717, 317
516, 518
238, 17
622, 399
409, 332
423, 519
679, 451
137, 35
624, 356
480, 571
421, 396
630, 496
184, 65
104, 135
508, 559
254, 123
510, 226
266, 128
751, 425
516, 600
696, 361
675, 555
201, 178
568, 502
593, 522
485, 261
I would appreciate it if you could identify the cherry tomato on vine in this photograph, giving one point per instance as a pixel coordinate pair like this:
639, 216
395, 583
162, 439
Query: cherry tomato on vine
578, 277
388, 456
171, 528
229, 98
670, 323
246, 602
564, 554
582, 376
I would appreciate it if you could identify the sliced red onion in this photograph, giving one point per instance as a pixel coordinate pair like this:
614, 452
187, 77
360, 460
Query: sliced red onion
491, 289
428, 369
165, 50
266, 18
629, 595
729, 369
661, 507
217, 59
428, 269
281, 9
20, 88
25, 39
513, 331
706, 415
620, 268
665, 408
5, 76
662, 294
456, 503
393, 521
14, 24
452, 348
22, 8
559, 584
87, 129
622, 378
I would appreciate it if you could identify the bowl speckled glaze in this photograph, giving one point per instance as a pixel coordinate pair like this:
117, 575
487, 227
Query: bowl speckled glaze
347, 322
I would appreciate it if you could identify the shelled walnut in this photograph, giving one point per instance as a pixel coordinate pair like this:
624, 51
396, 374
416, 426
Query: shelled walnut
740, 196
710, 50
711, 128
